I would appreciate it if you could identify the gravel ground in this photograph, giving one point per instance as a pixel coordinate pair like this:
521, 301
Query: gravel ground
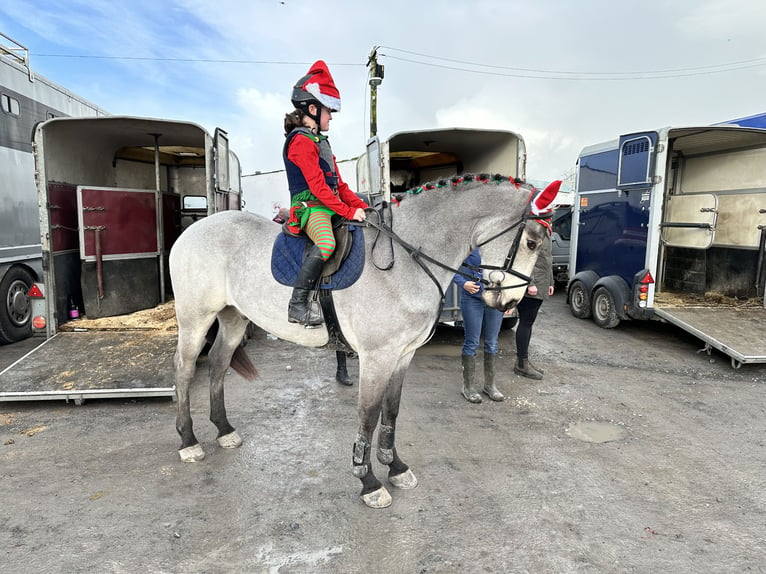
634, 454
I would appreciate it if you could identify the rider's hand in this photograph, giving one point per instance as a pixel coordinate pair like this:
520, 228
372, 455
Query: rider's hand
359, 214
532, 290
471, 286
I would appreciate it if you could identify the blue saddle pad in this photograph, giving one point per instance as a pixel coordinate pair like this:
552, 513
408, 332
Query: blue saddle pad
287, 255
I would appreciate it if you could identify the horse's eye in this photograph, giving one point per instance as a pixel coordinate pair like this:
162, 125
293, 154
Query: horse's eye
531, 245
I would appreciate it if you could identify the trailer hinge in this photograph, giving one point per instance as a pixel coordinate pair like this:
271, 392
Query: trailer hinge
659, 148
86, 208
657, 179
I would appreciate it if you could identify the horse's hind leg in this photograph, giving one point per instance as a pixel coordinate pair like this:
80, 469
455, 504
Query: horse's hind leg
190, 342
231, 332
399, 474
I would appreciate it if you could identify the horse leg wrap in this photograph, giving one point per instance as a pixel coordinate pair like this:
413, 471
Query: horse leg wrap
361, 458
386, 444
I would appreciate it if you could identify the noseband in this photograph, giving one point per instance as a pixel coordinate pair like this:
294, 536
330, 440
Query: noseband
510, 258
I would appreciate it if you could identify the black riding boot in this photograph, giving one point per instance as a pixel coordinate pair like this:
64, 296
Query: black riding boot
299, 310
341, 374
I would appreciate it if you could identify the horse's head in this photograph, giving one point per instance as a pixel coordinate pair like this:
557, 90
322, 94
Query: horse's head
507, 281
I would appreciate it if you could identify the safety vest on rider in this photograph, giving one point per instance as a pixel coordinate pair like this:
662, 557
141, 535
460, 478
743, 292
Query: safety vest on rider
295, 181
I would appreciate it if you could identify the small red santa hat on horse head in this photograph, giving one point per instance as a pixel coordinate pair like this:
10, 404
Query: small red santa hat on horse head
317, 86
542, 206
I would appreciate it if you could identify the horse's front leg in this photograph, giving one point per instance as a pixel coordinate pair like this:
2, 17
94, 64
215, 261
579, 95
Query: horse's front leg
399, 474
372, 384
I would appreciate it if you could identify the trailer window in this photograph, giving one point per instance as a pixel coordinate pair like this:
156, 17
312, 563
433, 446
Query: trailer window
195, 203
10, 105
598, 171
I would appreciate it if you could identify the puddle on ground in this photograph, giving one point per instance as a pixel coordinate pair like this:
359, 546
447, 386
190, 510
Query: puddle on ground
592, 431
440, 350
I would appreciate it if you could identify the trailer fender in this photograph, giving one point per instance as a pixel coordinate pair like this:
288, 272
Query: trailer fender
620, 292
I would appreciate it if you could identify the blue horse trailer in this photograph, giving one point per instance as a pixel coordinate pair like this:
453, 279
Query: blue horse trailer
671, 225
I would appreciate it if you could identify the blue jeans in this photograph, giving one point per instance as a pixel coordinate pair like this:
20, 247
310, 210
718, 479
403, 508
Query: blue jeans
478, 320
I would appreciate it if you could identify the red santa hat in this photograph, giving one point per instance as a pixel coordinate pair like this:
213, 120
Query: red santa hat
317, 84
542, 204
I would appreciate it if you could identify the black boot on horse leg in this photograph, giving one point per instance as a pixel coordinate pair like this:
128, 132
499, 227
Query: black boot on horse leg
374, 494
399, 474
299, 310
341, 374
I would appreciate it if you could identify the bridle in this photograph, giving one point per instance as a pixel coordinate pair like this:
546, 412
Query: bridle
420, 258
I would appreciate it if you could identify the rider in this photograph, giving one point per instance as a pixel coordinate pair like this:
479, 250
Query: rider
316, 189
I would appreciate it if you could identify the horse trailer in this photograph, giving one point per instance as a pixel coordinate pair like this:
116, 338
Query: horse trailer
27, 98
671, 225
408, 159
114, 193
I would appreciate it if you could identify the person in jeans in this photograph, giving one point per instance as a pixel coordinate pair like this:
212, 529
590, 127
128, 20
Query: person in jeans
478, 320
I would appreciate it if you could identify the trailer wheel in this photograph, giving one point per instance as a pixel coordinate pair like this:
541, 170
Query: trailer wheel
579, 301
604, 312
15, 310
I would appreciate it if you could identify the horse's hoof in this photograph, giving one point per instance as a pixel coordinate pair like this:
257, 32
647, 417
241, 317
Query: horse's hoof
231, 440
193, 453
405, 480
377, 499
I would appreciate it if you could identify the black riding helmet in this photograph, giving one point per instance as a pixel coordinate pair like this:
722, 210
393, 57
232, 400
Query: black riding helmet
302, 99
318, 88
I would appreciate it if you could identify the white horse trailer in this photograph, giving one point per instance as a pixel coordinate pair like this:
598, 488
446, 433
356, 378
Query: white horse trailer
408, 159
114, 193
27, 99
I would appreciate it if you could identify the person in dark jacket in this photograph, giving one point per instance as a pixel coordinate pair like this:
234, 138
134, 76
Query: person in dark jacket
540, 288
478, 320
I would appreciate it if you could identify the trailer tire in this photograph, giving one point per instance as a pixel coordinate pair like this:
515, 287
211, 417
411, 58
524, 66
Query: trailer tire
579, 300
604, 310
15, 308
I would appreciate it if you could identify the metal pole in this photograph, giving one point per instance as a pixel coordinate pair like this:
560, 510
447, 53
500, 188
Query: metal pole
159, 227
376, 77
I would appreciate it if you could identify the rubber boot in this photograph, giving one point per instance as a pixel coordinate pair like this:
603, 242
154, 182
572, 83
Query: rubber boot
523, 368
299, 310
535, 367
341, 375
469, 370
489, 379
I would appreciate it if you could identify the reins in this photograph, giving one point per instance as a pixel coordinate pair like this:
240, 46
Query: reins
418, 255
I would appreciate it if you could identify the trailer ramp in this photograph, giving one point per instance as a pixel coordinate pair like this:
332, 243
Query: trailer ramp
739, 333
93, 364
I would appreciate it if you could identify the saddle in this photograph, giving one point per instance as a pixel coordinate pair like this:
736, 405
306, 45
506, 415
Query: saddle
341, 270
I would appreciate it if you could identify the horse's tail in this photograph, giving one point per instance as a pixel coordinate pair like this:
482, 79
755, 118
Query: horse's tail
242, 364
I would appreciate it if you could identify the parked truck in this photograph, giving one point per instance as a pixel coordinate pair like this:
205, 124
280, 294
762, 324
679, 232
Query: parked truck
27, 98
670, 225
114, 193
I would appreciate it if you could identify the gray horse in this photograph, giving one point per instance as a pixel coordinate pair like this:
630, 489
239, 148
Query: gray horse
220, 269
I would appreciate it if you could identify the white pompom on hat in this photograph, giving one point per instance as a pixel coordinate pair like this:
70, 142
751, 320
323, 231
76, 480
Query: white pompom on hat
542, 204
319, 83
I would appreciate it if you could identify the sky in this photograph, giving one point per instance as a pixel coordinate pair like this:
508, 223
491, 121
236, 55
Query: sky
560, 73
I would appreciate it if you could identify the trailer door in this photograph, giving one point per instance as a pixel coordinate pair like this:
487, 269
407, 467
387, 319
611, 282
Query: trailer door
689, 220
119, 249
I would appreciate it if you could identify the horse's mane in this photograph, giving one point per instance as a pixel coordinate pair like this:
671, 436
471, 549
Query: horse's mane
462, 180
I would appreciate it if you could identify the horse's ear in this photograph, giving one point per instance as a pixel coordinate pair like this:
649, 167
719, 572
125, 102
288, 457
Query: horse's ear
541, 204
